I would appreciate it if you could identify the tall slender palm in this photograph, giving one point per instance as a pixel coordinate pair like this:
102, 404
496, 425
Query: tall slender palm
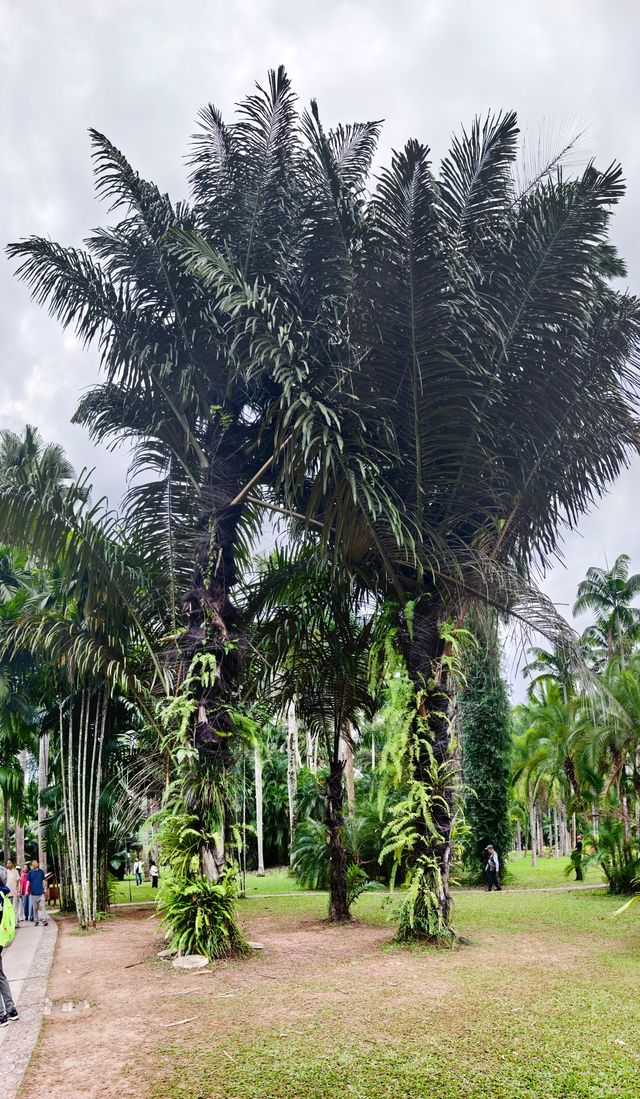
27, 460
554, 666
610, 593
314, 642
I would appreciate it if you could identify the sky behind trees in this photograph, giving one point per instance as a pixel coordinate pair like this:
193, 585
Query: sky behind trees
140, 72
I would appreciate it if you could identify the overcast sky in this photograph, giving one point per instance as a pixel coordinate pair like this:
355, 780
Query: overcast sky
139, 70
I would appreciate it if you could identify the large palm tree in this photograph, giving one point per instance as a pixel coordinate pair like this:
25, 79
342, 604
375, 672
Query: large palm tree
492, 367
610, 593
437, 378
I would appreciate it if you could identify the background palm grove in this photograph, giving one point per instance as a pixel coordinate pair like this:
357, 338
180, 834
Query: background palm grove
362, 394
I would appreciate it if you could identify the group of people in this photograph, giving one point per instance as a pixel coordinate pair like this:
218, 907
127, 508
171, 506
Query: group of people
25, 889
28, 891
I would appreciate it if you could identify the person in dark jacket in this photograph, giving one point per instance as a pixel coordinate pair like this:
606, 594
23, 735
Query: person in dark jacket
8, 1011
576, 858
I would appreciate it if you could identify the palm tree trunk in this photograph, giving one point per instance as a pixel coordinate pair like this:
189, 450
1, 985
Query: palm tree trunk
311, 752
43, 780
338, 906
532, 831
212, 861
429, 766
6, 829
292, 774
626, 817
22, 756
257, 757
518, 838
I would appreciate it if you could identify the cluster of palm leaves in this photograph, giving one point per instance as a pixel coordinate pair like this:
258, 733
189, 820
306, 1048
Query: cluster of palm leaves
425, 382
578, 750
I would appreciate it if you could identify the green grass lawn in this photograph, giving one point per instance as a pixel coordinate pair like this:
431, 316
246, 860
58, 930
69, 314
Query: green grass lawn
548, 873
274, 881
124, 891
542, 1005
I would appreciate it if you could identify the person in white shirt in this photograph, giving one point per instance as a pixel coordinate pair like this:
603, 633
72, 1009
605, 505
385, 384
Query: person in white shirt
153, 874
493, 869
13, 882
137, 869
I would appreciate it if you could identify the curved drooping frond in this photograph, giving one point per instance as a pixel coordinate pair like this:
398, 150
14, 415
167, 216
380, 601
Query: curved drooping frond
77, 293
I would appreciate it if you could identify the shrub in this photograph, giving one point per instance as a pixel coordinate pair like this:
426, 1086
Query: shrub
619, 858
200, 918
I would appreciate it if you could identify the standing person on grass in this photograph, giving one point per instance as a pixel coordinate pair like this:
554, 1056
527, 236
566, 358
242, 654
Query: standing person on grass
8, 1012
493, 869
37, 886
137, 869
576, 858
13, 885
154, 874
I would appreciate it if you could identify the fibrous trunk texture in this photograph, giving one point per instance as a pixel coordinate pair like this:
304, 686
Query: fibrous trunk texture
338, 904
430, 762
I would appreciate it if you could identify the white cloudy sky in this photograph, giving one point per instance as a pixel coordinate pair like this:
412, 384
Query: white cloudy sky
139, 70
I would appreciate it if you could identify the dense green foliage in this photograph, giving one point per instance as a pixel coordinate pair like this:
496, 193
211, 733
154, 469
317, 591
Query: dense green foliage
485, 722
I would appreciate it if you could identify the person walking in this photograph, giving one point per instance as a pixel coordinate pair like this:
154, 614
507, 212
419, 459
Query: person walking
8, 1011
37, 887
24, 893
154, 874
576, 858
137, 869
493, 869
13, 885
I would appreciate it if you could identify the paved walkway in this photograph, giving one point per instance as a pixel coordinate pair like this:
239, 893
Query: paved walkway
26, 963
